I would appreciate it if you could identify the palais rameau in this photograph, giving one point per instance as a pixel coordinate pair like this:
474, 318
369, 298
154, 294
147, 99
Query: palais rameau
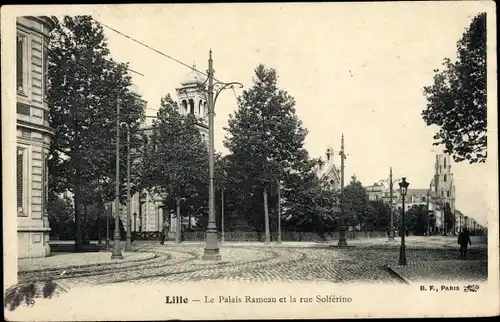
249, 299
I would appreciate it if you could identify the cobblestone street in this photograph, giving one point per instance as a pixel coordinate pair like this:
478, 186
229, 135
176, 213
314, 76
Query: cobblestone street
265, 264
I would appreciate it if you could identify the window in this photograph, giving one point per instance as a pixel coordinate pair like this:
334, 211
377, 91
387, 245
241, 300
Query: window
45, 183
423, 198
445, 163
191, 107
45, 76
445, 178
21, 181
448, 193
442, 193
21, 65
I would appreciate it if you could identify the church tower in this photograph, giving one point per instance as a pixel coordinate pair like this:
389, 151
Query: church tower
192, 99
443, 187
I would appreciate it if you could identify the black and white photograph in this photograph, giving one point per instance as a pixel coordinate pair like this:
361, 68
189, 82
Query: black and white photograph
249, 161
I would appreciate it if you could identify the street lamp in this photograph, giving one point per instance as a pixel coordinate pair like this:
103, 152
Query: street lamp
117, 252
128, 243
403, 186
211, 251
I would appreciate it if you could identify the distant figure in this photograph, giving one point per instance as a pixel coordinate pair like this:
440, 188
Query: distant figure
162, 237
464, 241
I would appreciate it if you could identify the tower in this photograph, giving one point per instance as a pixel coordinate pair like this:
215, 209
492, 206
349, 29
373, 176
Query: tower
444, 186
328, 171
192, 99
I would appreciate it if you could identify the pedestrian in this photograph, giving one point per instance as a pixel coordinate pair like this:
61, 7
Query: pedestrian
162, 237
464, 241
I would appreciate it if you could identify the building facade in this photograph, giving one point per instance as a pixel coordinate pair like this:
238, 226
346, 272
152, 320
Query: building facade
33, 135
328, 172
148, 212
443, 188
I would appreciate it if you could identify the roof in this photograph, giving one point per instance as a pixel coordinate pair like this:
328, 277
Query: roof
194, 77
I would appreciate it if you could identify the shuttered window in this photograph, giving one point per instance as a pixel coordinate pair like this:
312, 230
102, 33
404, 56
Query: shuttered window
20, 63
20, 180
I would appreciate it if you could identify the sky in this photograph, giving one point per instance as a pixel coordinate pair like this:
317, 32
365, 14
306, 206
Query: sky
356, 69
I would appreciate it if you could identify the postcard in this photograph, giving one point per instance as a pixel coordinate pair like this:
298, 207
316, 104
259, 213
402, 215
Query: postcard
249, 161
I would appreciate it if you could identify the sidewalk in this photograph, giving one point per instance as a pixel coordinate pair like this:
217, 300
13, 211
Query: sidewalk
468, 271
411, 242
77, 260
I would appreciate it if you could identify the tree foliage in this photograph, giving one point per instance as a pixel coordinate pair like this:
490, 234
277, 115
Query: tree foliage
355, 203
417, 219
456, 101
175, 158
265, 141
85, 85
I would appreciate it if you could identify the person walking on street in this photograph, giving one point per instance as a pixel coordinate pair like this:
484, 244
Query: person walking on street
162, 237
464, 241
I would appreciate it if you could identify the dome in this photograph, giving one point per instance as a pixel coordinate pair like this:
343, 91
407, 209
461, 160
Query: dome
193, 78
135, 90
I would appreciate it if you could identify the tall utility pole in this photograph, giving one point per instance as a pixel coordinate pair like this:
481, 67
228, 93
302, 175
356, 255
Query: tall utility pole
391, 229
222, 217
128, 243
279, 213
428, 213
342, 228
117, 252
211, 251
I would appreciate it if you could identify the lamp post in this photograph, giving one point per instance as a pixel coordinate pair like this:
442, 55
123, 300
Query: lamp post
403, 186
107, 230
342, 228
211, 251
128, 242
117, 252
279, 213
222, 218
391, 196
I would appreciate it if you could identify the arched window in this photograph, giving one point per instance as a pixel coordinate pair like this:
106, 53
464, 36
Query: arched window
445, 177
199, 108
205, 111
184, 106
191, 106
445, 163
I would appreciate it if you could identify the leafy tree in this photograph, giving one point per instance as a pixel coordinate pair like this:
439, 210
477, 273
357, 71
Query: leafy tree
456, 102
382, 214
175, 160
85, 85
416, 219
356, 203
266, 142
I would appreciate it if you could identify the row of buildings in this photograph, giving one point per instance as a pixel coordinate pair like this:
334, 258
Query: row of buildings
438, 196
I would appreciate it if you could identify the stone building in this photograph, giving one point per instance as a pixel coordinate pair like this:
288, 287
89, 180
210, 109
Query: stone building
150, 213
443, 188
328, 171
33, 135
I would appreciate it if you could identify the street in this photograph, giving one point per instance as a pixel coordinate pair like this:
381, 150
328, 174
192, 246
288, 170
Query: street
291, 263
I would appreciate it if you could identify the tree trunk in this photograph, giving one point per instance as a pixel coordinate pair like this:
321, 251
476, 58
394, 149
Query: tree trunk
178, 223
86, 240
78, 224
99, 237
266, 219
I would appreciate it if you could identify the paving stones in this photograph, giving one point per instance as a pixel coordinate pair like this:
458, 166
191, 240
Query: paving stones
286, 264
445, 270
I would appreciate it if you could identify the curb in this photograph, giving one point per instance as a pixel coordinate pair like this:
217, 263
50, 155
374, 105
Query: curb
395, 273
52, 269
